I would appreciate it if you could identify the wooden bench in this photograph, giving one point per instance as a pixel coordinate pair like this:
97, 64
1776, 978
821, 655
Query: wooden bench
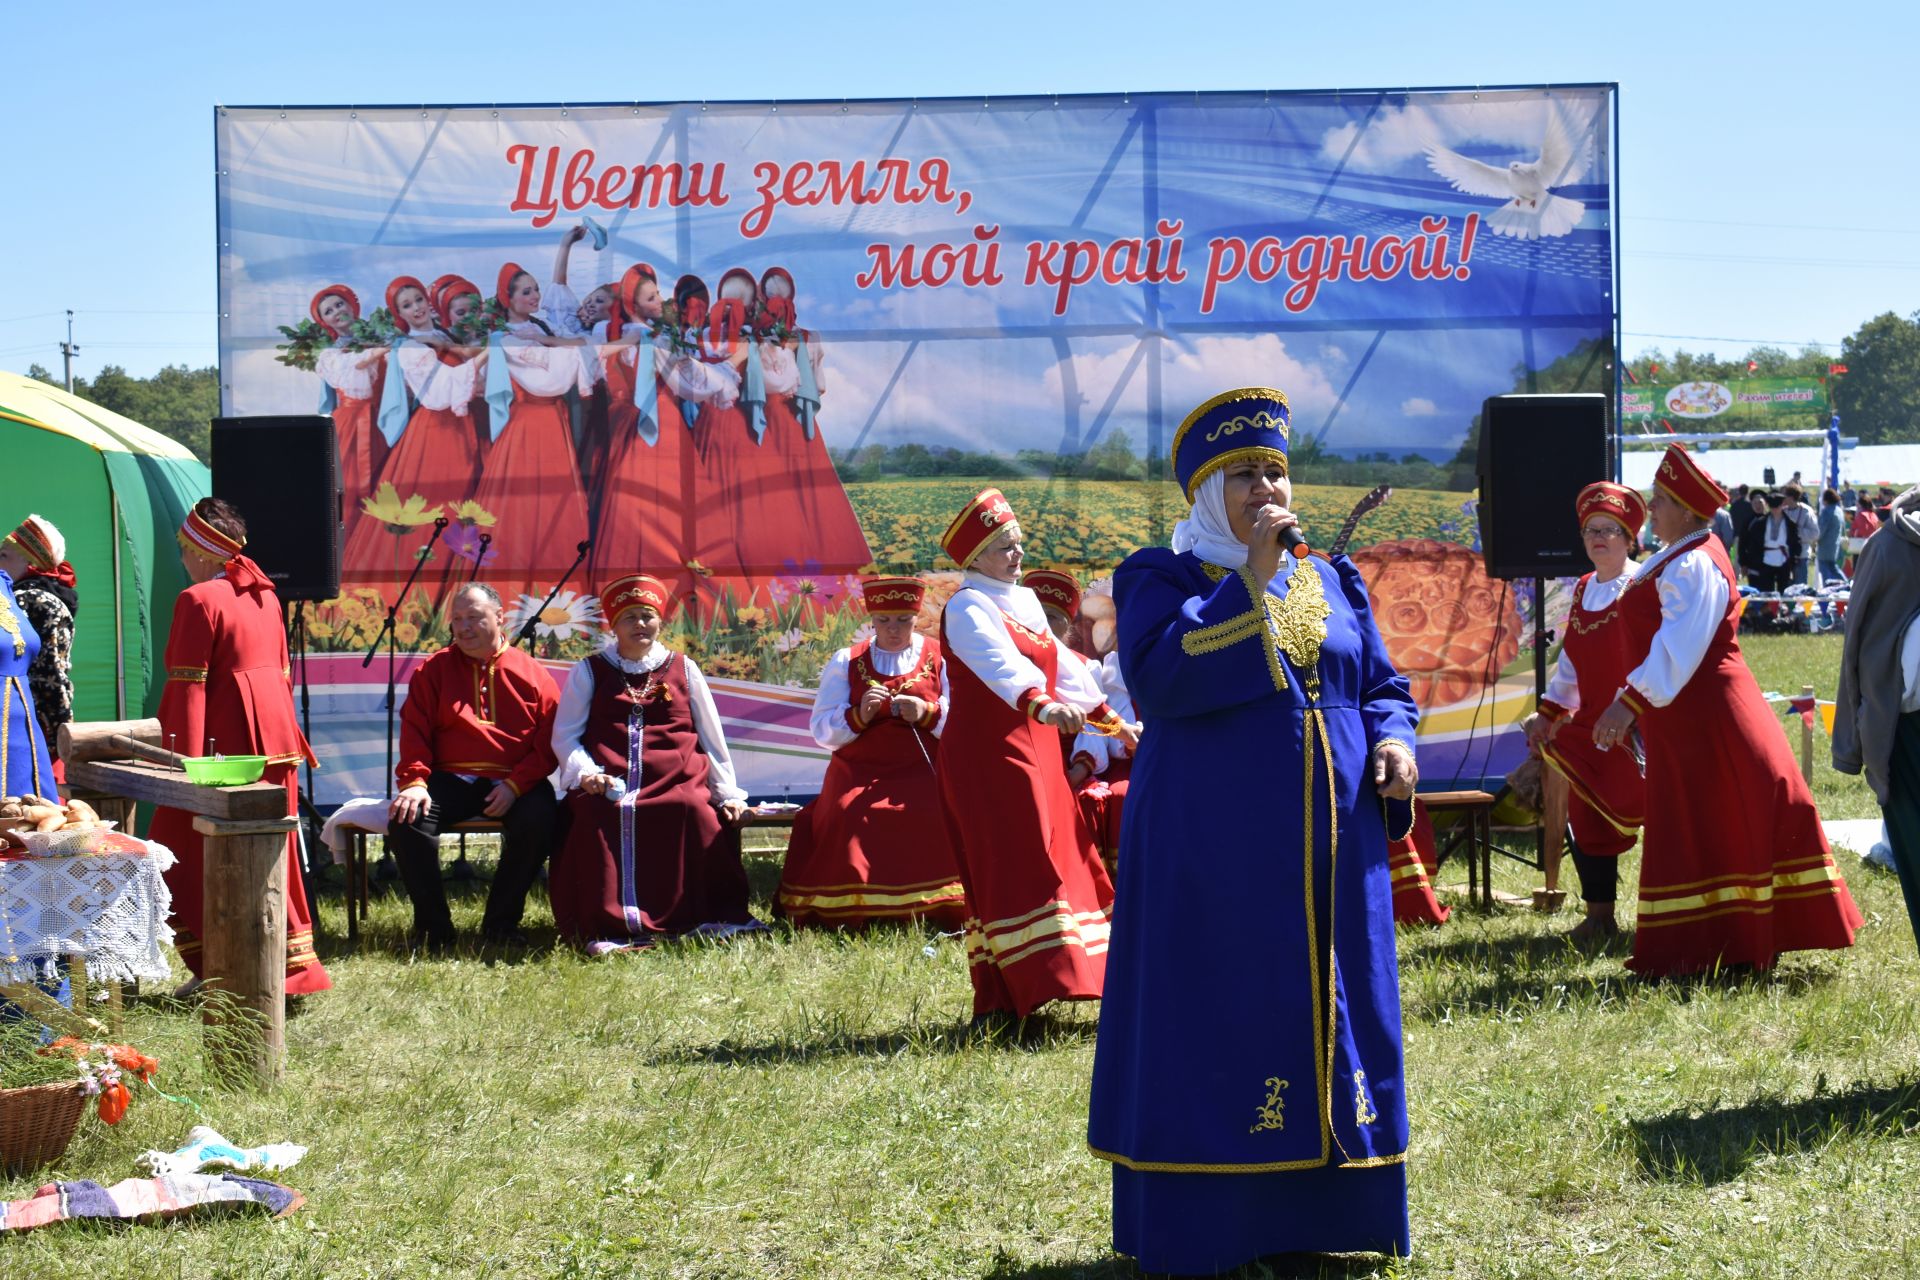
359, 888
1476, 831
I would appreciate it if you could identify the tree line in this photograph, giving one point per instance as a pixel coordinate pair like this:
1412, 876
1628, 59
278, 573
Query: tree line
1878, 398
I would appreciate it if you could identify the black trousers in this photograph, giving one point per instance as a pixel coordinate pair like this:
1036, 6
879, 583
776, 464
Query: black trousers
1599, 877
526, 841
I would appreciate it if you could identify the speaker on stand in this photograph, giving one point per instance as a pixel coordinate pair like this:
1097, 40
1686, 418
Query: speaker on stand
1537, 452
282, 473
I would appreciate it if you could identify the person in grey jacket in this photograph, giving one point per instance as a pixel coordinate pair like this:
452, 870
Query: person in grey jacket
1876, 722
1832, 525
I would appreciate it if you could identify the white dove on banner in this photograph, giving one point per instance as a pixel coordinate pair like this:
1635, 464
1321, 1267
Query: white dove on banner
1531, 211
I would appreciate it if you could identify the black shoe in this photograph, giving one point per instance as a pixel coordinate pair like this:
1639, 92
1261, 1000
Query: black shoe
504, 938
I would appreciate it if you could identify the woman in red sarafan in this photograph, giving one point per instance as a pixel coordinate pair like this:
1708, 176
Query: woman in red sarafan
438, 454
1735, 868
531, 480
354, 381
228, 692
1098, 765
1607, 795
798, 472
646, 502
653, 842
873, 845
1040, 901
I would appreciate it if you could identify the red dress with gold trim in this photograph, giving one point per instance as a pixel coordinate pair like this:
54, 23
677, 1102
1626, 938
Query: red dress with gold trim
1735, 868
873, 845
1608, 803
1041, 903
228, 691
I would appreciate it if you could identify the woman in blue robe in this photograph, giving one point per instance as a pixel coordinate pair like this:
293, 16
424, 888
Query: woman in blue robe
25, 763
1249, 1086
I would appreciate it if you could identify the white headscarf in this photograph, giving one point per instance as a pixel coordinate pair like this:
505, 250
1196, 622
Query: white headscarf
1208, 534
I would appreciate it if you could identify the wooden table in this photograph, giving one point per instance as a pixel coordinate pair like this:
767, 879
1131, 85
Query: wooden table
245, 911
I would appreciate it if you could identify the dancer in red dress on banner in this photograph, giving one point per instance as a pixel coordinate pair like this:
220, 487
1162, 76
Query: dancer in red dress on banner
804, 476
228, 692
1735, 868
1607, 798
1097, 765
531, 480
1040, 901
455, 298
873, 845
354, 380
438, 454
646, 500
653, 841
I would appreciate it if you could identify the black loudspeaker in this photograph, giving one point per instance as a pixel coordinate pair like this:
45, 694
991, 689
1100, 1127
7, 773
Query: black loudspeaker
1536, 454
283, 475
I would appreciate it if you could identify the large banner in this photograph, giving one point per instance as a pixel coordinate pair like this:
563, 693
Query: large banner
760, 348
1738, 403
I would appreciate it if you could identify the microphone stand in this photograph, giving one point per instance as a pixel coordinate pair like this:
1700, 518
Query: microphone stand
387, 634
486, 540
526, 628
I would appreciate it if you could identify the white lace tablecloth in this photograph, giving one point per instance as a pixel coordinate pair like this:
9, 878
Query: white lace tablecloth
109, 908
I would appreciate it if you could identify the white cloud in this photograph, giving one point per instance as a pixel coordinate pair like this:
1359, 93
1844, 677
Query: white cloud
1419, 407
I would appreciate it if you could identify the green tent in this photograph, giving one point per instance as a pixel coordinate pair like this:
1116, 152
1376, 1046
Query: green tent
118, 492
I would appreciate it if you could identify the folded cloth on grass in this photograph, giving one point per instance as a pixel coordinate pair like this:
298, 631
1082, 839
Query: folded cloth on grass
144, 1198
206, 1149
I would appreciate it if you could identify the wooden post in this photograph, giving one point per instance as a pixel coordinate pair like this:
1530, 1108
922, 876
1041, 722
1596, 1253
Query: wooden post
245, 947
1806, 735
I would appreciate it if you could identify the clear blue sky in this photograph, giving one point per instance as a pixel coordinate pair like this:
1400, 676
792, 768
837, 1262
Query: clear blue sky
1768, 185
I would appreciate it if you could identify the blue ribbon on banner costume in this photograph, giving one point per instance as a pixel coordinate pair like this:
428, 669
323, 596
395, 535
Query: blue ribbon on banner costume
393, 396
806, 397
499, 395
753, 393
646, 391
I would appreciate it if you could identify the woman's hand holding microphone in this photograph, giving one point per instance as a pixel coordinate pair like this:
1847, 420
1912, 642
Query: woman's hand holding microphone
1269, 540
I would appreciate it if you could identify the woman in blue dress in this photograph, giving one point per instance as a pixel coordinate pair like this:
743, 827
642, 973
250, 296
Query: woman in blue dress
26, 765
1249, 1085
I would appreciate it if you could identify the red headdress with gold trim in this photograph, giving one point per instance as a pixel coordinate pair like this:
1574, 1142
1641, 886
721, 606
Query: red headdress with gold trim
893, 595
623, 595
1681, 479
978, 523
1057, 590
1606, 498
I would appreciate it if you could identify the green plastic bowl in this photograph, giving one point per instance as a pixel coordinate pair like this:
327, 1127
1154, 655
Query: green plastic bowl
225, 771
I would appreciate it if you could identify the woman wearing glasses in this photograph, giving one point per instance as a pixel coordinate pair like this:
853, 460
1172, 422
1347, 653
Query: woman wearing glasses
1607, 794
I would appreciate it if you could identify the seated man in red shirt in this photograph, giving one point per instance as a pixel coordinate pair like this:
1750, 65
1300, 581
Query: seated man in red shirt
476, 738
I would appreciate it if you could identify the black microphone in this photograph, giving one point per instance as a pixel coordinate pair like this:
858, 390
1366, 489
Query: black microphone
1294, 541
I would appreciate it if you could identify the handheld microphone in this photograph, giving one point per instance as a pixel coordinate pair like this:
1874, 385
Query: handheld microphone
1294, 542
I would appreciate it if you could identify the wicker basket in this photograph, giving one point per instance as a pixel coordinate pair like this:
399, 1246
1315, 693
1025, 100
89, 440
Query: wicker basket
36, 1124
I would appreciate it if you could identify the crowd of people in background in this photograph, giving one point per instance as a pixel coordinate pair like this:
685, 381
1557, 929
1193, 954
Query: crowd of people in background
1776, 535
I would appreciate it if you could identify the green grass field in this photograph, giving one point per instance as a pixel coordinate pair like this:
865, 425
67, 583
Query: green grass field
808, 1106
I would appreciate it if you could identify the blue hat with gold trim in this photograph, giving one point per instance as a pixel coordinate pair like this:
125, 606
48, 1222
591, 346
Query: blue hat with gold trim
1248, 423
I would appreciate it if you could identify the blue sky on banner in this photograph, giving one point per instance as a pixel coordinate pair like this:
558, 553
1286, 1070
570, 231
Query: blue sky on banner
1400, 361
1759, 200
